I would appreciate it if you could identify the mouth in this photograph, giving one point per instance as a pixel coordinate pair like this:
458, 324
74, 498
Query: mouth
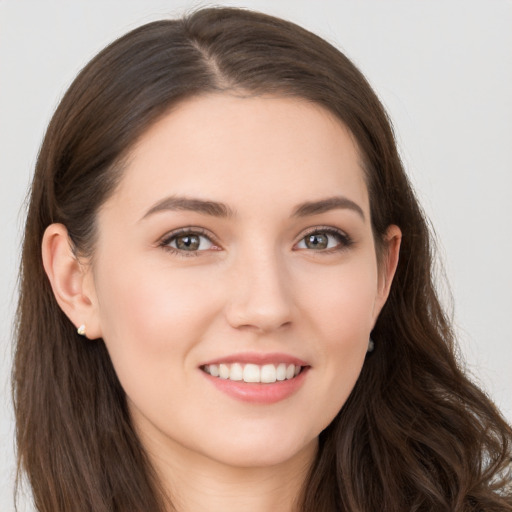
254, 373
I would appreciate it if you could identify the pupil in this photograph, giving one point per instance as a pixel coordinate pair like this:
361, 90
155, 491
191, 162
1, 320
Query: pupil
187, 242
317, 241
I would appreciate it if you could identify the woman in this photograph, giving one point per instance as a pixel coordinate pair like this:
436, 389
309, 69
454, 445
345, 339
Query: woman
226, 296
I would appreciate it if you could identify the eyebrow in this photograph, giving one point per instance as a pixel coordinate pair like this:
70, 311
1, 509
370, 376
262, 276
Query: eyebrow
216, 209
325, 205
174, 203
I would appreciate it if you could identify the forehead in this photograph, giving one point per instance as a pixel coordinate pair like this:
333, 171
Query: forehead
241, 150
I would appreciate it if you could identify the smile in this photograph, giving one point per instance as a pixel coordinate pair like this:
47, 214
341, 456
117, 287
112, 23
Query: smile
253, 373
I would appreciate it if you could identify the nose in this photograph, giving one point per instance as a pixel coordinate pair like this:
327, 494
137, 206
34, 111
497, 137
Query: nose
260, 297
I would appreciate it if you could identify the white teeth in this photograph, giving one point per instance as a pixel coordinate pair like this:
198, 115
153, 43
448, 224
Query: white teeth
236, 372
223, 370
266, 373
251, 373
281, 372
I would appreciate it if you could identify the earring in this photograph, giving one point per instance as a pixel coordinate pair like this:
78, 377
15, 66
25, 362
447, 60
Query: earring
371, 345
81, 330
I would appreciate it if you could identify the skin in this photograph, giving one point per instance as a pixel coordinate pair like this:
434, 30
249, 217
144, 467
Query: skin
254, 285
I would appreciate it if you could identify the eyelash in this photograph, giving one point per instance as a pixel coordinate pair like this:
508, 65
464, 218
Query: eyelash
344, 240
182, 232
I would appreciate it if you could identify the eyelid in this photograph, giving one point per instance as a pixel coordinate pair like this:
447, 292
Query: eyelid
346, 240
188, 230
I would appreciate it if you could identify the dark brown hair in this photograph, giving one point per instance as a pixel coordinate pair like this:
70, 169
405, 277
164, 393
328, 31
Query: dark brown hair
415, 434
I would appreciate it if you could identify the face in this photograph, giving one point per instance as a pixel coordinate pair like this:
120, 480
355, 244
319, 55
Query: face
235, 278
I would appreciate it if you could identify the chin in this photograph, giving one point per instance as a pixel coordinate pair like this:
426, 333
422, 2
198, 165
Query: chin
252, 453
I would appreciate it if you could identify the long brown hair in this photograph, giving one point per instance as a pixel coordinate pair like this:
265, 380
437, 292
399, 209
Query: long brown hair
415, 434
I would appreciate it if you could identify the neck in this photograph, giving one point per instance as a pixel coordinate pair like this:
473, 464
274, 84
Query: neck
195, 482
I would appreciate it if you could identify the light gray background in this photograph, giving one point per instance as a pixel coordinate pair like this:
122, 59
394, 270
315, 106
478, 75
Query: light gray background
442, 68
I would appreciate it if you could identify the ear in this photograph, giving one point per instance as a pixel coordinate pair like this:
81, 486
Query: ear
71, 280
387, 266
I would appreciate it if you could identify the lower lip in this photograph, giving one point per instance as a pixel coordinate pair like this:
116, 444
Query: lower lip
256, 392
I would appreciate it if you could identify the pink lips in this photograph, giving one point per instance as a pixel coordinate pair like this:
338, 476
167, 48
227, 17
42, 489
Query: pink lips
259, 393
260, 359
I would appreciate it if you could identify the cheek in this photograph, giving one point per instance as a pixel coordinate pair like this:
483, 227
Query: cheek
340, 316
341, 302
152, 327
154, 315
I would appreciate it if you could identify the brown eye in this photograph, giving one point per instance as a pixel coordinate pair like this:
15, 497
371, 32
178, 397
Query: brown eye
188, 242
325, 239
317, 241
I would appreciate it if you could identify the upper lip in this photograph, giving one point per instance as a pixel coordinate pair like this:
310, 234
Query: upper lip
258, 358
